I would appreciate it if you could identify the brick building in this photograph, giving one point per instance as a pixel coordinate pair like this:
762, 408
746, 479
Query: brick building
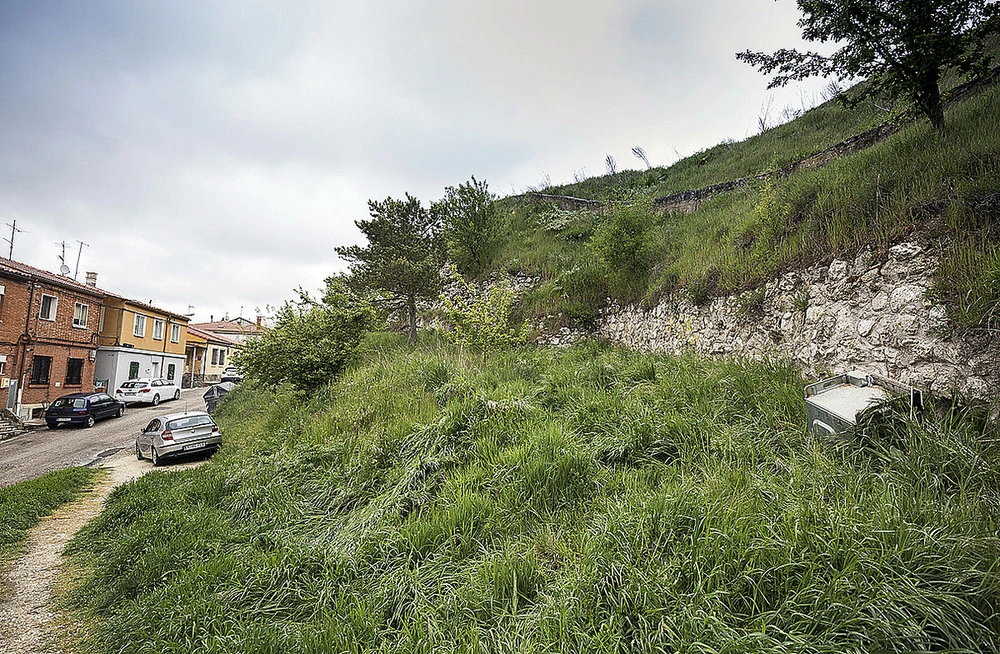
48, 337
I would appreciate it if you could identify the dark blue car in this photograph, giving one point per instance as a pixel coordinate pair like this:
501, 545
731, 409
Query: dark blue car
83, 409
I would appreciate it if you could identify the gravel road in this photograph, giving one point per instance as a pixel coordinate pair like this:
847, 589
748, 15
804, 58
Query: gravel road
40, 451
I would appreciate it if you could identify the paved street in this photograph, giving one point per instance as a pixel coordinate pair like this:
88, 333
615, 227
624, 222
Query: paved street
43, 450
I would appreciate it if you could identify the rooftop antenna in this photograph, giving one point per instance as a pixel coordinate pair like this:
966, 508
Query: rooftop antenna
63, 268
13, 230
79, 252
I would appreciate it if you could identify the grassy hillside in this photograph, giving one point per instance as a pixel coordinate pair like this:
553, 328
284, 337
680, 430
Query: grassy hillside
813, 131
944, 187
589, 500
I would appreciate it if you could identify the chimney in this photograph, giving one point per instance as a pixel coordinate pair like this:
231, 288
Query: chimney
92, 279
211, 317
258, 322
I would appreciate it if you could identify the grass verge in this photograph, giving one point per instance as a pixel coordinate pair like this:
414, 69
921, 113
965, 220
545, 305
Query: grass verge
586, 500
23, 504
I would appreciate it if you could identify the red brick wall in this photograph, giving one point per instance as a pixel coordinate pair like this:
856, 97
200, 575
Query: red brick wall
60, 354
13, 310
57, 339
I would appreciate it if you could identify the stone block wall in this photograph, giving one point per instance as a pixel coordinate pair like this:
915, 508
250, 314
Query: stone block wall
864, 314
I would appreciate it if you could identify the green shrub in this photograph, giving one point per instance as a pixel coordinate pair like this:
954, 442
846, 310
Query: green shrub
484, 320
309, 344
622, 246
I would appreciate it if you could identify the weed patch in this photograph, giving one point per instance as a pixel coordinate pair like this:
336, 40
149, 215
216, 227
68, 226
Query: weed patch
589, 499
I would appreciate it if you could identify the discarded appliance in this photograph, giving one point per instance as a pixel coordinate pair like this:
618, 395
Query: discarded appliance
834, 405
215, 393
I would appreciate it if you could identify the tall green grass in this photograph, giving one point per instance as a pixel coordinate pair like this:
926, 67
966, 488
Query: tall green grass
813, 131
588, 500
944, 187
23, 504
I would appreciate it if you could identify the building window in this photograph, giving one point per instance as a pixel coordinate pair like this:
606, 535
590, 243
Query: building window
215, 356
3, 364
222, 357
170, 372
40, 369
139, 328
74, 372
80, 314
175, 333
48, 310
157, 329
3, 291
133, 370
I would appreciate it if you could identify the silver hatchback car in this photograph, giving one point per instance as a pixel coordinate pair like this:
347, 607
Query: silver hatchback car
177, 434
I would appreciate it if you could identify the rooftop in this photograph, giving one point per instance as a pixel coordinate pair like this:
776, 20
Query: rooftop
148, 307
236, 326
212, 337
23, 269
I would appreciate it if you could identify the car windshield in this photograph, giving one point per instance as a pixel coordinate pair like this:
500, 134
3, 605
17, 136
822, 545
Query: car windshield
189, 421
133, 384
75, 402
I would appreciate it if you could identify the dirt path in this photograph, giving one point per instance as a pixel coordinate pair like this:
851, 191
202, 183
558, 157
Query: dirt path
26, 615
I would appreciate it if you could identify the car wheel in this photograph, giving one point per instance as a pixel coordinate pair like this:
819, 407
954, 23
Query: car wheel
157, 462
90, 421
177, 394
121, 412
138, 452
156, 399
52, 425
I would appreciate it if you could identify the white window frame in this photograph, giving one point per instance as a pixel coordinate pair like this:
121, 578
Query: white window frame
54, 305
157, 326
86, 315
175, 333
139, 326
3, 364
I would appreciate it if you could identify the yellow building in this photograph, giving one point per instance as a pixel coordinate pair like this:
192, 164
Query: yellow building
208, 355
139, 341
194, 358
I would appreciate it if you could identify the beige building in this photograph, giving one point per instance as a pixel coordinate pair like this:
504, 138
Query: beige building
208, 355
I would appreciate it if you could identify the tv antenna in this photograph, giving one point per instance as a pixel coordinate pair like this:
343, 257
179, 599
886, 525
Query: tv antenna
78, 253
63, 268
13, 230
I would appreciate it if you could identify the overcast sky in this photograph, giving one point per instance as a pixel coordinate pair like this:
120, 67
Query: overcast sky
213, 153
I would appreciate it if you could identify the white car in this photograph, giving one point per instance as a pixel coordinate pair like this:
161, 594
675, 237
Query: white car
153, 391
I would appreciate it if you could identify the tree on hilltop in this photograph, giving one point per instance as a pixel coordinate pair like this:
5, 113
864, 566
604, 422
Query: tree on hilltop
473, 227
403, 257
902, 47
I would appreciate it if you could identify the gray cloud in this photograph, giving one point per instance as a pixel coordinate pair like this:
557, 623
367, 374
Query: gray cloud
225, 148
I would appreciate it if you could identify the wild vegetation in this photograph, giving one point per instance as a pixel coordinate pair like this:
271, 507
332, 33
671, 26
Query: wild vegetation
589, 500
918, 183
23, 504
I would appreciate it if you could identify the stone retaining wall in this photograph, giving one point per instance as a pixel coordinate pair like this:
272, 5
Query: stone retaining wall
864, 314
